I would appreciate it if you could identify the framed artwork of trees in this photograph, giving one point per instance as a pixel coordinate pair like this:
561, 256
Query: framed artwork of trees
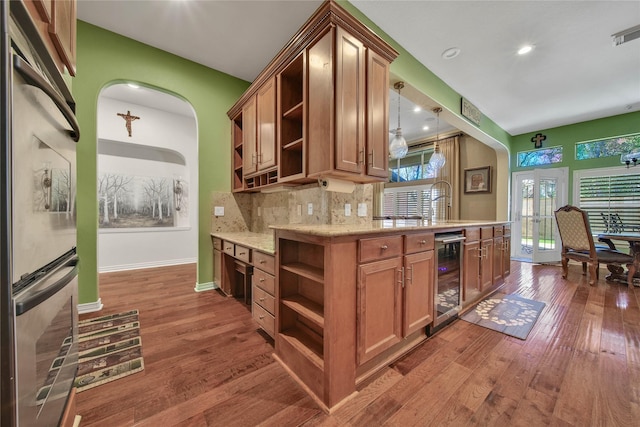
130, 201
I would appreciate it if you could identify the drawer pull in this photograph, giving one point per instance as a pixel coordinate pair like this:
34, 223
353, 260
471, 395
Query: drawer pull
423, 242
262, 261
242, 253
261, 279
384, 247
261, 316
262, 299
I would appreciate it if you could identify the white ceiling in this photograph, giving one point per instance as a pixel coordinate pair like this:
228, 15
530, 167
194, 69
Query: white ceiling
573, 74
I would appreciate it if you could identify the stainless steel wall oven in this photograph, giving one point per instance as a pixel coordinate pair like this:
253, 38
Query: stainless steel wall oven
38, 261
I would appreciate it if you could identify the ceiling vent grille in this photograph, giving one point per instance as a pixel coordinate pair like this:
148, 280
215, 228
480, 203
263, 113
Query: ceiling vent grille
626, 35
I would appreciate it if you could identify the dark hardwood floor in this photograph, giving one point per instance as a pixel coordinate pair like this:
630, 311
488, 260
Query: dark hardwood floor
206, 363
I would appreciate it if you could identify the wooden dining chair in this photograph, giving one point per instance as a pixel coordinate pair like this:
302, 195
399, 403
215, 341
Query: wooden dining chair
578, 245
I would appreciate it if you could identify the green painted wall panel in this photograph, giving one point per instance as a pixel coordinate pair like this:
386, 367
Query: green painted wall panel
105, 58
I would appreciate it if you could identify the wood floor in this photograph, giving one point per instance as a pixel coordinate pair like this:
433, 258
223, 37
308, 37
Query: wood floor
207, 365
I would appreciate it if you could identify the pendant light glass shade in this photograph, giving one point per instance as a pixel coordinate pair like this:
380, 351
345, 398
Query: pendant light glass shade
398, 147
437, 160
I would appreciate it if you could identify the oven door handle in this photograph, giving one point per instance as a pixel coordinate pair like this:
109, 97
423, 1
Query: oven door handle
34, 79
43, 294
451, 240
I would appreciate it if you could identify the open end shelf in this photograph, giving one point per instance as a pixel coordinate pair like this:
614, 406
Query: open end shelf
305, 307
305, 345
305, 270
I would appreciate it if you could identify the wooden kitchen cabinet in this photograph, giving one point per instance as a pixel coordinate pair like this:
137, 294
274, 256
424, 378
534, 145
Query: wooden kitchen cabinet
56, 24
380, 307
315, 319
506, 251
498, 254
486, 258
263, 291
331, 112
395, 291
470, 270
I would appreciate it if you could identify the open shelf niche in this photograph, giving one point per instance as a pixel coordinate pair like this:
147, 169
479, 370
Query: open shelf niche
291, 123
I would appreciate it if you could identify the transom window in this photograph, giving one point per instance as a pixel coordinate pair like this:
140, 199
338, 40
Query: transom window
608, 147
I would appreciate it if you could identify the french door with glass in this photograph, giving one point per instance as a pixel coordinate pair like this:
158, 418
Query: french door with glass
537, 194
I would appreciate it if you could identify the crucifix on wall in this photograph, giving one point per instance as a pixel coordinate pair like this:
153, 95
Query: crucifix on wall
537, 140
128, 118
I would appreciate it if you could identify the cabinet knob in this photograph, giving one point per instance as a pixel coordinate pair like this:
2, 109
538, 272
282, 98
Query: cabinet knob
384, 247
423, 242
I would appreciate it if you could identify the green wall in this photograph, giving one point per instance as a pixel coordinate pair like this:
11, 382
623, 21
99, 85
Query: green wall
105, 58
567, 136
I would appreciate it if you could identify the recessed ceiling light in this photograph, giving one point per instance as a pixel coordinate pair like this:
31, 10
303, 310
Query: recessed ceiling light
133, 86
525, 49
417, 109
425, 127
451, 53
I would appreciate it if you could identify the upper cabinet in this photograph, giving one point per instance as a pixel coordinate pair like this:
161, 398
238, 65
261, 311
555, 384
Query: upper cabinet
56, 24
319, 109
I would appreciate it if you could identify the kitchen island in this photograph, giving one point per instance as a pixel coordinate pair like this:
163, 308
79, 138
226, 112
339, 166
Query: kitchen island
350, 299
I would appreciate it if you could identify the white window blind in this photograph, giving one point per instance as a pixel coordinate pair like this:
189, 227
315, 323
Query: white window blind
611, 197
410, 201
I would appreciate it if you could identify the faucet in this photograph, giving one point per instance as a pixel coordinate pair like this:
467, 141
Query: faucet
442, 196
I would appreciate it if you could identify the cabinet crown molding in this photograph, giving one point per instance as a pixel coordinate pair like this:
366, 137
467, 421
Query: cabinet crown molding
327, 15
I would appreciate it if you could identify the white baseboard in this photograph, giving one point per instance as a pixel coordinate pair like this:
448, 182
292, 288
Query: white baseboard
208, 286
90, 307
152, 264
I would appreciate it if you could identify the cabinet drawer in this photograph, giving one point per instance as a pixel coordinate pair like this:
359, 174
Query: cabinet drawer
228, 248
379, 248
418, 242
264, 299
264, 262
486, 233
506, 230
472, 234
217, 244
264, 319
497, 231
264, 280
243, 253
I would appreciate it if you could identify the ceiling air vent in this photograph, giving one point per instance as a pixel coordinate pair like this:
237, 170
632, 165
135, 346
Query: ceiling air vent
626, 35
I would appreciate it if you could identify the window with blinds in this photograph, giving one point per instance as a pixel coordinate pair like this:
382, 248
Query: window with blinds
611, 197
416, 200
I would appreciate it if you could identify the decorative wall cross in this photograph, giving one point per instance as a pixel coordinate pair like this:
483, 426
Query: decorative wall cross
537, 140
128, 118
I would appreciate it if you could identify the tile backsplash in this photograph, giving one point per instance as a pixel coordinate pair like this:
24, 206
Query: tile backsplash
257, 211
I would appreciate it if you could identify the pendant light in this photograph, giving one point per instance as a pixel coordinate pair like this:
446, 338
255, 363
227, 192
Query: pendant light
437, 160
398, 147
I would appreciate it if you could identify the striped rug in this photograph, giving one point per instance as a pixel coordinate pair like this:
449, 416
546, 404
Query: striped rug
109, 348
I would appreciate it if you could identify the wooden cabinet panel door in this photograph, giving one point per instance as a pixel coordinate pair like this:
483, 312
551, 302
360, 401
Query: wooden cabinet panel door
266, 125
486, 265
249, 146
377, 115
320, 105
379, 314
418, 291
506, 256
350, 102
498, 254
63, 32
471, 271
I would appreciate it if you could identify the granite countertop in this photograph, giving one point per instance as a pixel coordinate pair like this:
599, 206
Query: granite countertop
258, 241
382, 226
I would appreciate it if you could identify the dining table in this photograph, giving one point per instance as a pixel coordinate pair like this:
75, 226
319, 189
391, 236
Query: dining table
633, 238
